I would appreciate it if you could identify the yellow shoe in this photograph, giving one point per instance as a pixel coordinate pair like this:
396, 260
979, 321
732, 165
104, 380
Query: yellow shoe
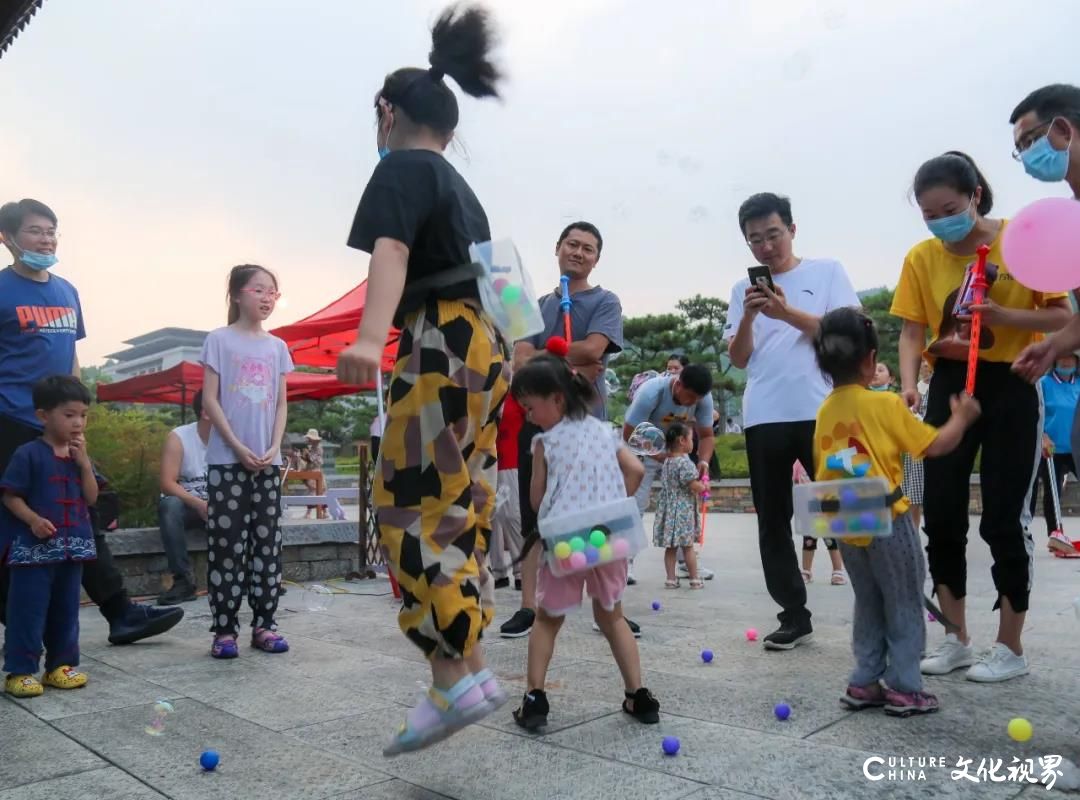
23, 686
65, 678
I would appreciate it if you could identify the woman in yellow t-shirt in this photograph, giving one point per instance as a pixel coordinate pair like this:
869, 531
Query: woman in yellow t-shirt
955, 199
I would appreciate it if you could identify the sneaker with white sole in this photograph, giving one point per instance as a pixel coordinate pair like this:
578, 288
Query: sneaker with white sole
952, 654
1000, 664
704, 573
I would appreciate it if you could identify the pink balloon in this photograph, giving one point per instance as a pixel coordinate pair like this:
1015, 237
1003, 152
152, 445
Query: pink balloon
1041, 245
578, 560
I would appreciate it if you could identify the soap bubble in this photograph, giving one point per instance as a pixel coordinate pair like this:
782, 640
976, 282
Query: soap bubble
834, 18
647, 440
689, 165
699, 214
319, 597
663, 158
611, 382
156, 725
620, 210
798, 64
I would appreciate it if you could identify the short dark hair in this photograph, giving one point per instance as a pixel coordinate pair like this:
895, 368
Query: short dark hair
675, 431
54, 391
12, 214
682, 359
1055, 100
954, 170
764, 204
547, 375
587, 227
696, 378
461, 41
845, 337
196, 405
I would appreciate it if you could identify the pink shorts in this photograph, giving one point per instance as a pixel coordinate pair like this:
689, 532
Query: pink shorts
557, 596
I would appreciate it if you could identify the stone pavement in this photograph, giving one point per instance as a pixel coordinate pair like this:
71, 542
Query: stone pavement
311, 724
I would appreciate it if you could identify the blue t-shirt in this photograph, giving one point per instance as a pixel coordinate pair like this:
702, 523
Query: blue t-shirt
1060, 398
52, 487
595, 310
655, 403
39, 325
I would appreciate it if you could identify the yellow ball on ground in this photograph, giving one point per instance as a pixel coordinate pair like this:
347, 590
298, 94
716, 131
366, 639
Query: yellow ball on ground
1019, 729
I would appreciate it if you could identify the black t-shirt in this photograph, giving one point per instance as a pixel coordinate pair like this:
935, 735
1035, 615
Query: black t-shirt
419, 199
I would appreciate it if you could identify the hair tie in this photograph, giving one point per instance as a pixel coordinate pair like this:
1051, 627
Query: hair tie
557, 346
436, 74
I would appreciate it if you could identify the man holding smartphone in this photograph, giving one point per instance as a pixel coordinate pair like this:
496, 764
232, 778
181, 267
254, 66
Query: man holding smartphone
770, 327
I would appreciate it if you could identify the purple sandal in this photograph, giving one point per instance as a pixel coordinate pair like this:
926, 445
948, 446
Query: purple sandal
268, 641
224, 647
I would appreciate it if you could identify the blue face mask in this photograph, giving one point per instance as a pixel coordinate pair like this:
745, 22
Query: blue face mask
384, 151
36, 261
1044, 163
884, 388
954, 228
1065, 374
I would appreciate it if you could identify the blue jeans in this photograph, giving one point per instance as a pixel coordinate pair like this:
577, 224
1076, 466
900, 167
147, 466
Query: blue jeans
175, 517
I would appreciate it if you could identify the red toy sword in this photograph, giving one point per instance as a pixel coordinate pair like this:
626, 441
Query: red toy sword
979, 286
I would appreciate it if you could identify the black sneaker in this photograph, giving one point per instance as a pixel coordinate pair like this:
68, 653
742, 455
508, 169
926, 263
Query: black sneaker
789, 636
140, 622
517, 584
182, 591
533, 713
518, 625
633, 626
646, 707
502, 583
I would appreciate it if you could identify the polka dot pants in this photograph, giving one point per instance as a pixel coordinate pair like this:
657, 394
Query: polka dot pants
244, 545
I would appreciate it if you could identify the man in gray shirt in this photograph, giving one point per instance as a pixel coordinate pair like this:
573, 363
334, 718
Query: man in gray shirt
595, 333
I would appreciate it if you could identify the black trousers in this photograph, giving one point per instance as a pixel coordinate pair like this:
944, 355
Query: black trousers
525, 461
771, 450
1009, 432
101, 579
1063, 463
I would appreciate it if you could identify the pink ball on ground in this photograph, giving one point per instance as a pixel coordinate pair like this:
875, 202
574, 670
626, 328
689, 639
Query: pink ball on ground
751, 634
578, 560
621, 548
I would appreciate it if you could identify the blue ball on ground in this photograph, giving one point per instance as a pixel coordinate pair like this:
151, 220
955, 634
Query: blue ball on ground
782, 711
706, 656
655, 605
209, 760
671, 745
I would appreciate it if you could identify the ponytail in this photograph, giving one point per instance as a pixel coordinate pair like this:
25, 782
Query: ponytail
957, 171
461, 41
238, 279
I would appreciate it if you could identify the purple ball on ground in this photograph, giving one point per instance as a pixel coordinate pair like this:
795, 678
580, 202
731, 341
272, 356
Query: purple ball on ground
782, 711
670, 745
209, 760
706, 656
655, 605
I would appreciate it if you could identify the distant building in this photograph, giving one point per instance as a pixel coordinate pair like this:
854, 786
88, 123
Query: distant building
154, 352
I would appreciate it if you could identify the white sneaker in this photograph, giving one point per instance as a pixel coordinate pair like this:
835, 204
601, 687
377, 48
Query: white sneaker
704, 573
1000, 664
950, 654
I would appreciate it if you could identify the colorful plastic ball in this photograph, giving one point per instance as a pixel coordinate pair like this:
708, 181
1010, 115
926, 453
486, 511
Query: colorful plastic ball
837, 526
606, 553
655, 605
592, 554
751, 634
621, 548
1019, 729
511, 294
500, 284
706, 656
597, 538
782, 711
869, 521
577, 544
578, 561
848, 498
930, 617
854, 525
562, 550
670, 745
209, 760
821, 525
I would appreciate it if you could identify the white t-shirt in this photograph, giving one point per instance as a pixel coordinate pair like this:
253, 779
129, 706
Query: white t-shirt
783, 382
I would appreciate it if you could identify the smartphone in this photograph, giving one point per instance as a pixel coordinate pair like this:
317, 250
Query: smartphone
759, 273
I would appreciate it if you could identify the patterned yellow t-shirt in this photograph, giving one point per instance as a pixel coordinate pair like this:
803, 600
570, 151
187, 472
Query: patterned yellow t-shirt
927, 291
877, 427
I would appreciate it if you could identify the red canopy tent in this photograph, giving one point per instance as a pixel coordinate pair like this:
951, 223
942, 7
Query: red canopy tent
178, 385
316, 340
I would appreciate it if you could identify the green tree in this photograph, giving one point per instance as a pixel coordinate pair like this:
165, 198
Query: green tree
888, 329
126, 447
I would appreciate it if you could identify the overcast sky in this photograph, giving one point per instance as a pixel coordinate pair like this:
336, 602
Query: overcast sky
175, 139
